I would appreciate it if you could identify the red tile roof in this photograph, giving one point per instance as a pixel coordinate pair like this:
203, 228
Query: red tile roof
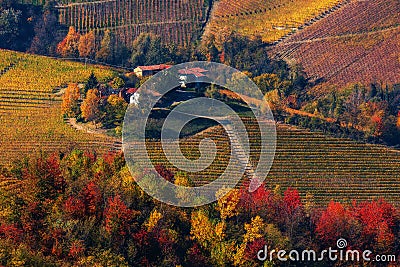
131, 90
155, 67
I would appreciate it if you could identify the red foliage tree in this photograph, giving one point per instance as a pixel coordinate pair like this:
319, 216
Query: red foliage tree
255, 202
11, 232
117, 217
92, 198
74, 207
77, 249
253, 247
335, 222
291, 200
378, 220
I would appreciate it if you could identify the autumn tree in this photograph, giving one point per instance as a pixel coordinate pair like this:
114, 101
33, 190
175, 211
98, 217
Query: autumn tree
69, 46
336, 222
90, 107
183, 180
87, 45
117, 83
228, 200
378, 221
117, 218
106, 51
270, 81
70, 101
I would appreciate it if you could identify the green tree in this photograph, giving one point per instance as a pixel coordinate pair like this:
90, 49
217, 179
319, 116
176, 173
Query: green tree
148, 49
117, 83
91, 83
9, 27
106, 52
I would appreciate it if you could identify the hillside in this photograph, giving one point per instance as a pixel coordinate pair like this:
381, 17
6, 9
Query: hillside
358, 43
270, 19
178, 22
30, 112
326, 167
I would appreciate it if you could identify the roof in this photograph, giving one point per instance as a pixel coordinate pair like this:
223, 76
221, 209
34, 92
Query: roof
198, 72
154, 67
131, 90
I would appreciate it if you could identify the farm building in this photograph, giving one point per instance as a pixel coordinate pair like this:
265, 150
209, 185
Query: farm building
142, 71
127, 93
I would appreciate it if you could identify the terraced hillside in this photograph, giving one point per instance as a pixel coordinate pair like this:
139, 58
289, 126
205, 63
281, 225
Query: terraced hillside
177, 22
358, 43
30, 113
326, 167
270, 19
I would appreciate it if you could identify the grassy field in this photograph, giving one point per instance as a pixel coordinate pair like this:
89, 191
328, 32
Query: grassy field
270, 19
30, 109
326, 167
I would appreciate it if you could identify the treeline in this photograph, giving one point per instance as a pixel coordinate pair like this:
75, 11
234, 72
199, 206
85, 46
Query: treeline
29, 28
372, 111
79, 209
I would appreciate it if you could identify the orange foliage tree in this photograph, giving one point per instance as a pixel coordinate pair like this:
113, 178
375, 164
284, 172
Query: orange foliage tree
69, 46
87, 45
70, 100
91, 106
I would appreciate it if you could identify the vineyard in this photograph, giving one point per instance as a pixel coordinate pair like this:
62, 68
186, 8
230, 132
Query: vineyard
358, 43
178, 22
270, 19
30, 112
326, 167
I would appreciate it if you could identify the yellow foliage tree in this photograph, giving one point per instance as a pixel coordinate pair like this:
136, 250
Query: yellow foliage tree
254, 229
70, 100
202, 229
227, 202
155, 217
183, 195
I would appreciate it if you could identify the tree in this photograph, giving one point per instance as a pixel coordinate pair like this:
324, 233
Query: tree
336, 222
87, 45
117, 83
378, 220
117, 217
69, 46
106, 51
228, 201
270, 81
9, 27
148, 49
44, 38
90, 107
114, 111
70, 101
91, 83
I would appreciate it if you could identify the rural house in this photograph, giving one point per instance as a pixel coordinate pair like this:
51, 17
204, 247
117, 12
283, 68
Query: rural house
142, 71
